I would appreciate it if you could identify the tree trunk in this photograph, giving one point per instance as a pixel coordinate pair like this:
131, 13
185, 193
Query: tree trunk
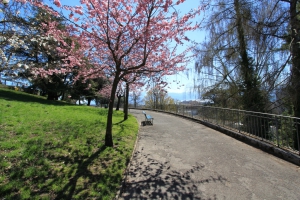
252, 97
126, 102
245, 65
135, 99
89, 101
63, 96
119, 101
108, 134
52, 96
295, 76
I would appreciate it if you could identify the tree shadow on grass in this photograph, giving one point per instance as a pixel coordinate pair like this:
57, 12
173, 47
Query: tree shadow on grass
44, 178
56, 169
82, 170
120, 122
24, 97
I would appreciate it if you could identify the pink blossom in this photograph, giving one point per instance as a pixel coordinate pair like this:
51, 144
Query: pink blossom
57, 3
78, 10
71, 15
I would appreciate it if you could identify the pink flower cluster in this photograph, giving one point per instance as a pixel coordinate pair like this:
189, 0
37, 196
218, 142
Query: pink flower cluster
122, 39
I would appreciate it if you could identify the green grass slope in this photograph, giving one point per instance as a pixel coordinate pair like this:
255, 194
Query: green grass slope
54, 150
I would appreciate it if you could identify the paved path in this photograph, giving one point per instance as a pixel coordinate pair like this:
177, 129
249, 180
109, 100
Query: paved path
180, 159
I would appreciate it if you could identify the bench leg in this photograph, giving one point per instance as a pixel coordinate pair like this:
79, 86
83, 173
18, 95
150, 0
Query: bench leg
148, 121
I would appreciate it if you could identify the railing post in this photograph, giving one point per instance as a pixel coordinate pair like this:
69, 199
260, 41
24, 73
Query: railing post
216, 116
224, 118
239, 121
192, 111
277, 135
297, 130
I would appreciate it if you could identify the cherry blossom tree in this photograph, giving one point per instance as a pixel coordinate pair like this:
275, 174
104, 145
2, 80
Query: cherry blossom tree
14, 36
122, 37
30, 53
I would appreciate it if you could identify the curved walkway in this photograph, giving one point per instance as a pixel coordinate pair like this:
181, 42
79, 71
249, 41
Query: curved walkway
180, 159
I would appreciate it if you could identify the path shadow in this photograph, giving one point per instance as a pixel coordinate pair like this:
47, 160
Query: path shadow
145, 123
148, 178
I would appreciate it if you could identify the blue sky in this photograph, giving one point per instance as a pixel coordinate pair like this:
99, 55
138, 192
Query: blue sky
185, 92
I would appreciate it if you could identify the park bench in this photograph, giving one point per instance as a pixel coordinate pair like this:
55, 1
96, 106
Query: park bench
148, 118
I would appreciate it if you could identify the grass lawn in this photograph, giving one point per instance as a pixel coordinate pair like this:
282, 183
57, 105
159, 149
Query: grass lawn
54, 150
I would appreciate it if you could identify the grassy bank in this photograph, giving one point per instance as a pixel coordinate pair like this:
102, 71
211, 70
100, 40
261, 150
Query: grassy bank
54, 150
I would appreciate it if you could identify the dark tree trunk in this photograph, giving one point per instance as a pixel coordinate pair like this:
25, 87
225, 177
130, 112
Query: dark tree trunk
252, 97
119, 101
52, 96
108, 134
135, 102
126, 102
295, 76
89, 99
245, 64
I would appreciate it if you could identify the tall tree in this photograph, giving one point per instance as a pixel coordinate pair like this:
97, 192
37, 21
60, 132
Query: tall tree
30, 49
243, 50
15, 31
295, 60
124, 37
251, 94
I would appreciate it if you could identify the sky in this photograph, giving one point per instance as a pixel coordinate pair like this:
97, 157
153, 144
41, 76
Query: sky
186, 92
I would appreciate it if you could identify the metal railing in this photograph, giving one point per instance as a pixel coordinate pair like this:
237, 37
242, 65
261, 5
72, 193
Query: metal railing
278, 130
